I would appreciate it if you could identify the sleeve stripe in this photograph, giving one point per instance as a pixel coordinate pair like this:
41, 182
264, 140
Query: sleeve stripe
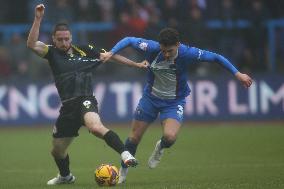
45, 51
82, 53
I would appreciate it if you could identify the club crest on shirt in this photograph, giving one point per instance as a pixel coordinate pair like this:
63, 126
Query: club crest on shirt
87, 104
143, 46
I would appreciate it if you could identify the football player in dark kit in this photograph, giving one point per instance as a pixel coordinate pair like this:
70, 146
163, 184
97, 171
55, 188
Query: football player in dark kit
73, 70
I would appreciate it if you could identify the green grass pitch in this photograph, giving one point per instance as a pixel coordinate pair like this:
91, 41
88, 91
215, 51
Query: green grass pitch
222, 156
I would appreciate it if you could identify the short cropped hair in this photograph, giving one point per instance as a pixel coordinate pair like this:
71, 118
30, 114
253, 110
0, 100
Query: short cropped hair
168, 37
60, 27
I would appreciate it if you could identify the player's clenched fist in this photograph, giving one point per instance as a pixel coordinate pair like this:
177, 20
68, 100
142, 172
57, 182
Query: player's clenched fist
144, 64
105, 56
39, 11
245, 80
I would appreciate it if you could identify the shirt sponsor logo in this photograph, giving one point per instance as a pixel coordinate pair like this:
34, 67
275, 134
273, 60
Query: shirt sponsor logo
83, 60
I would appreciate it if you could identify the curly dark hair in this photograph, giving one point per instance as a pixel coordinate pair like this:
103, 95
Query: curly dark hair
168, 37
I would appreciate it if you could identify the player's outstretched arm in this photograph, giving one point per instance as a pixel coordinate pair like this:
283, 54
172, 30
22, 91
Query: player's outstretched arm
125, 42
207, 56
37, 46
245, 80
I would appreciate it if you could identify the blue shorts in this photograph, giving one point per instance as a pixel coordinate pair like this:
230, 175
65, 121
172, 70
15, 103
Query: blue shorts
150, 107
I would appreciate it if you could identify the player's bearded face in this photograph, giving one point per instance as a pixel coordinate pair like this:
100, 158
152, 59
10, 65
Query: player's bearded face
62, 40
169, 52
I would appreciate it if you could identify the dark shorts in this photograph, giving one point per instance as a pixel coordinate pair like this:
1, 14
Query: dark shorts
71, 116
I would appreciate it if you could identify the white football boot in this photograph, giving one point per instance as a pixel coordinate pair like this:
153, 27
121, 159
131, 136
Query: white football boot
69, 179
128, 159
156, 156
122, 175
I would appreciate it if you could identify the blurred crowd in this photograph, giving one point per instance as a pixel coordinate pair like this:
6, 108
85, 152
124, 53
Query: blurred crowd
242, 36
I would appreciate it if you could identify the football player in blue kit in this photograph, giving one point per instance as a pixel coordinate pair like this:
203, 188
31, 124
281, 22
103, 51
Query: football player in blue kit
166, 88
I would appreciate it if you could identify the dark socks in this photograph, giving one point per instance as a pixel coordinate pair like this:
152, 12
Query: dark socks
113, 140
63, 165
165, 143
131, 147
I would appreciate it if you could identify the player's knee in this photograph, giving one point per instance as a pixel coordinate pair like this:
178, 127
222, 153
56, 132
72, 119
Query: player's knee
95, 130
94, 124
57, 154
98, 130
92, 119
